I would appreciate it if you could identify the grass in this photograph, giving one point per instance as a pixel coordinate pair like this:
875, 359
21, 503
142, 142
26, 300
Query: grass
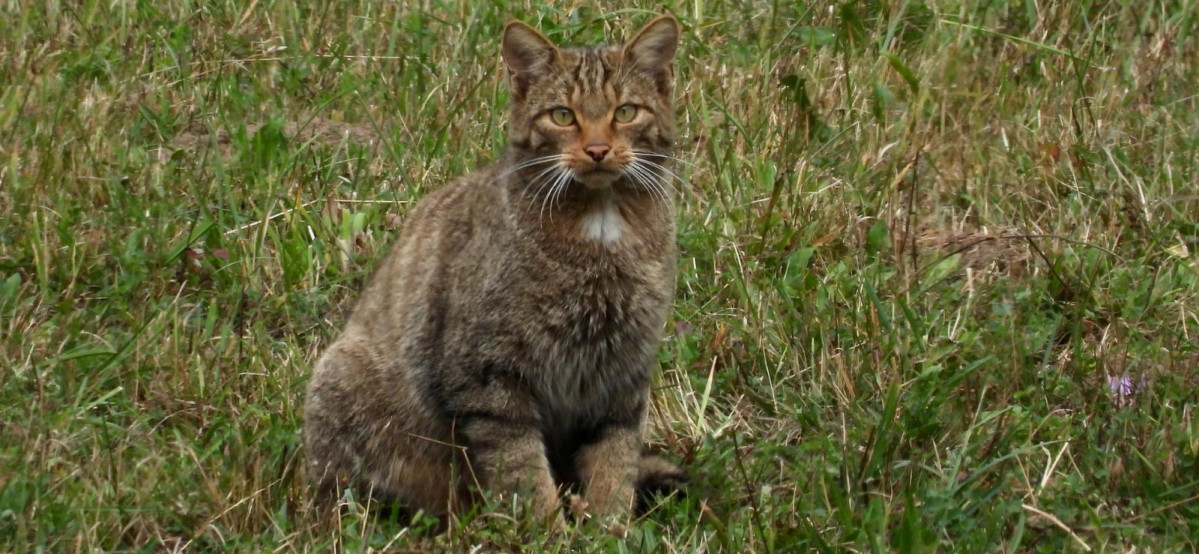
920, 242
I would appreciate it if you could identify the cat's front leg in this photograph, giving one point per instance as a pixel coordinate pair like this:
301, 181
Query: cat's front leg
609, 467
507, 455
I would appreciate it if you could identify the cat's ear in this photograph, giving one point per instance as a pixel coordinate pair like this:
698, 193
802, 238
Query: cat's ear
527, 53
652, 50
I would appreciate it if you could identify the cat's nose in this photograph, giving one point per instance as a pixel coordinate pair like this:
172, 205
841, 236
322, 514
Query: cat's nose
597, 151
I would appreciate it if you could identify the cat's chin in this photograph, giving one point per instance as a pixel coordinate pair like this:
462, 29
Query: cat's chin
598, 179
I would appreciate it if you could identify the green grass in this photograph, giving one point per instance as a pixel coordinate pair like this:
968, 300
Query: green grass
917, 240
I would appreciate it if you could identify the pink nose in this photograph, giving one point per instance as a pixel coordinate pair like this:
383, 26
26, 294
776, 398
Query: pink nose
597, 151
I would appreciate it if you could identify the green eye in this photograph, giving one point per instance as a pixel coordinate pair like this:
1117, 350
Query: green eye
626, 113
562, 116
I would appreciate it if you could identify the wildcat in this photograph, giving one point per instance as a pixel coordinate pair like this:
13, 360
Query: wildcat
506, 343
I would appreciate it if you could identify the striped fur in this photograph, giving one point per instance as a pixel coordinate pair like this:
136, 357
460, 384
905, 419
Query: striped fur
507, 340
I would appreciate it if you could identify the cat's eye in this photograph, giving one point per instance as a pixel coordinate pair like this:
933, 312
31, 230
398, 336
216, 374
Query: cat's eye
626, 113
562, 116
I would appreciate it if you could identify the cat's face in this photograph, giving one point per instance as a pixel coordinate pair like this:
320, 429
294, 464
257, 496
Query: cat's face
592, 115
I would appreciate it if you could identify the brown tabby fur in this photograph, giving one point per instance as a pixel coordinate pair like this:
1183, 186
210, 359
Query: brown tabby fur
508, 339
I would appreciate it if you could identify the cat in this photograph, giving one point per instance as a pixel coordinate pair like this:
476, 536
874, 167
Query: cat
507, 341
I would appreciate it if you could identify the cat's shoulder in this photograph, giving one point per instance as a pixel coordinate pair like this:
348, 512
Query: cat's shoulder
469, 194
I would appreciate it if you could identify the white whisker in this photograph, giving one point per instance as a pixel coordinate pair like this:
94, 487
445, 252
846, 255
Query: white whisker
665, 156
546, 176
662, 168
559, 189
539, 176
645, 179
660, 184
650, 181
633, 172
530, 163
547, 187
551, 197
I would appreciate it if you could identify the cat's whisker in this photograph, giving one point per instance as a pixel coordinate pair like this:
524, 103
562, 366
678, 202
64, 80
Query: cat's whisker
547, 186
540, 181
661, 192
642, 178
530, 163
560, 188
537, 160
655, 193
652, 177
553, 179
664, 156
649, 181
540, 176
551, 197
660, 184
662, 168
631, 172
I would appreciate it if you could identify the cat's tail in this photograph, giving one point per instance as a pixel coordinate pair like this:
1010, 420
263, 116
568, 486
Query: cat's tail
657, 476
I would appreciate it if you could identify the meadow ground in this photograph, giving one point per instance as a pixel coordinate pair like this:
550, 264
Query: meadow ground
938, 288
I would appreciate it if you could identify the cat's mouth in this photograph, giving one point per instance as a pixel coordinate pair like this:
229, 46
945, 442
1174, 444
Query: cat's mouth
597, 177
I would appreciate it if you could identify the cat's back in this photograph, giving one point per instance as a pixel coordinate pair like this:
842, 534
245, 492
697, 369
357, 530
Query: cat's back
442, 230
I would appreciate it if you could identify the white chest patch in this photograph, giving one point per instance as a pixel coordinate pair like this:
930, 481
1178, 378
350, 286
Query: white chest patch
603, 224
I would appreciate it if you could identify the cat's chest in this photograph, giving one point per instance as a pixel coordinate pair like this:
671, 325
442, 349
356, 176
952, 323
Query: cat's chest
603, 224
600, 310
597, 339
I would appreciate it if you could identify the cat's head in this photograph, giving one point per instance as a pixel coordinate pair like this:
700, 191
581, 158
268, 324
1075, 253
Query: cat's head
594, 114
